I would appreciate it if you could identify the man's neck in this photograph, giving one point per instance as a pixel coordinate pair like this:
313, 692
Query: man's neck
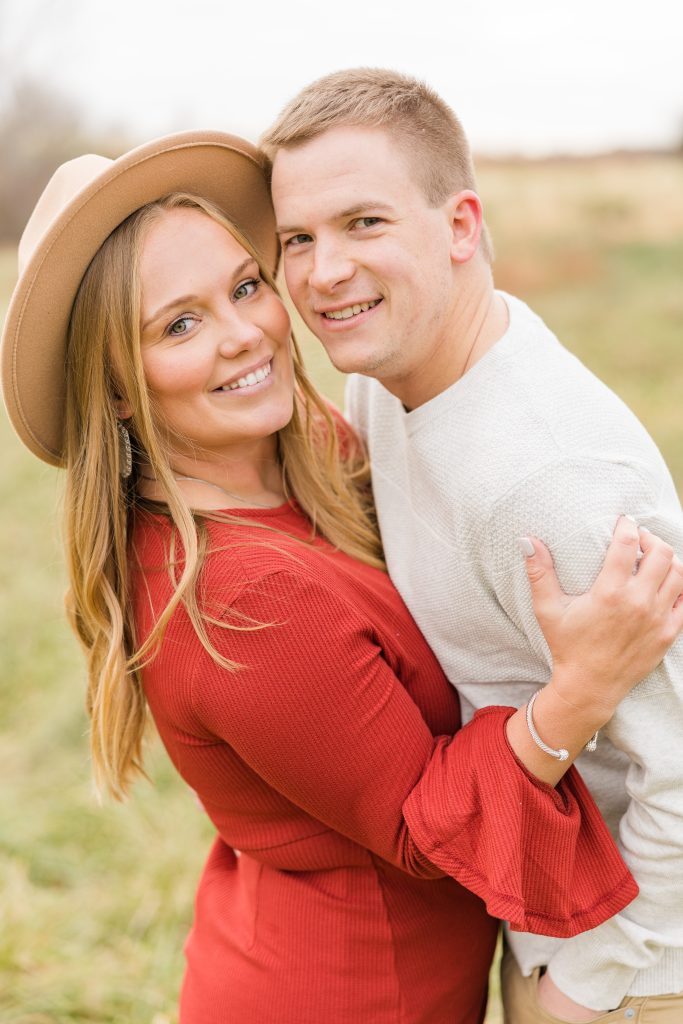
476, 325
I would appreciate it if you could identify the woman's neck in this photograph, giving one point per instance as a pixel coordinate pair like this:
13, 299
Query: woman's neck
232, 482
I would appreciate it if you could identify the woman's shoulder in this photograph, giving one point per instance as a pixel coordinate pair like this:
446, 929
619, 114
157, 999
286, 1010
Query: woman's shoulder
247, 578
247, 555
240, 551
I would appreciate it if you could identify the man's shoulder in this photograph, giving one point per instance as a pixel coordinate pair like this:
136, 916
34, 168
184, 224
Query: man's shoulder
542, 401
366, 401
361, 388
527, 403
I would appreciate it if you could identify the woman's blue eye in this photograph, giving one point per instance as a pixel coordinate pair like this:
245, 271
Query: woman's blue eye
247, 288
178, 327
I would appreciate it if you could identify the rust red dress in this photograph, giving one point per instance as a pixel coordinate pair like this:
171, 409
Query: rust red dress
328, 761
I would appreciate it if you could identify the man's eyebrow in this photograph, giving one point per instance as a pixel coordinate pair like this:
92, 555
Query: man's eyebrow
365, 204
349, 211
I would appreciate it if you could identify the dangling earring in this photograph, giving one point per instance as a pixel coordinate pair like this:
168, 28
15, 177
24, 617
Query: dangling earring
125, 451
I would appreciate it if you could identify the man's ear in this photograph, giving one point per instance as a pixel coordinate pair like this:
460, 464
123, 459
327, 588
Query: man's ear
466, 219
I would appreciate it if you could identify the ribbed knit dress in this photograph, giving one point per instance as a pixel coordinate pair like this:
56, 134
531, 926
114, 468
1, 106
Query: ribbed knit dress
328, 761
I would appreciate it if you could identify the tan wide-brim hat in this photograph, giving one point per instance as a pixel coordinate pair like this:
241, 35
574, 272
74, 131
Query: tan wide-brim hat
84, 201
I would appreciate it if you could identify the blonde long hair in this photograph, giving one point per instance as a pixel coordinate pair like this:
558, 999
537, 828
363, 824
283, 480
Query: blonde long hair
103, 363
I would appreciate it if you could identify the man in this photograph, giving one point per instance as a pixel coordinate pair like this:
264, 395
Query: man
482, 429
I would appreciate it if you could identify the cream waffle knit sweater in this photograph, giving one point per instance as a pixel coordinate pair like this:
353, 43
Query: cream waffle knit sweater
530, 442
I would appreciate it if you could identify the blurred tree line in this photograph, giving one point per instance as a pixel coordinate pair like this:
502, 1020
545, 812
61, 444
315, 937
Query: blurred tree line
39, 129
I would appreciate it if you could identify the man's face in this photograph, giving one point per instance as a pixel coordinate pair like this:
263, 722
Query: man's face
367, 260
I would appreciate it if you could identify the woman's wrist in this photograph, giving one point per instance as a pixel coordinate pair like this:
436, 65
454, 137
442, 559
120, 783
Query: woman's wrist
560, 723
587, 702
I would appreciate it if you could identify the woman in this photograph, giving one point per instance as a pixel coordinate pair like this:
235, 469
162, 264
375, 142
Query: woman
225, 569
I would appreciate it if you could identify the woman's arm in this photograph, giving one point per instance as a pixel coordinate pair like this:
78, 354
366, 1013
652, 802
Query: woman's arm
319, 716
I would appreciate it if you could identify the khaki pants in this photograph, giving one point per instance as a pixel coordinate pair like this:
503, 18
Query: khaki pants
521, 1006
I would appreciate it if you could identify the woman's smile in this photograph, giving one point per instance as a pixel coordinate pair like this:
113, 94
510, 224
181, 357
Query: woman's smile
249, 379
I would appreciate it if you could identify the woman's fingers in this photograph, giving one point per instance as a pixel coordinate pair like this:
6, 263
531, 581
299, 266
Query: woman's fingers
546, 593
622, 554
671, 590
656, 562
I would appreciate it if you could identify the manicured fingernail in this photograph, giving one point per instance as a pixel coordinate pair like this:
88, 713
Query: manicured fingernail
526, 547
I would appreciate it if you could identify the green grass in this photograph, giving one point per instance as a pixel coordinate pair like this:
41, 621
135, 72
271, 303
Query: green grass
95, 901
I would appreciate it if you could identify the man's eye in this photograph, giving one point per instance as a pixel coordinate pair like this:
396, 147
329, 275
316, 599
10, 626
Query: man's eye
246, 288
300, 239
180, 326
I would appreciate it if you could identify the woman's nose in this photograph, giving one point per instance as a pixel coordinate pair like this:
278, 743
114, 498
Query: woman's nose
239, 334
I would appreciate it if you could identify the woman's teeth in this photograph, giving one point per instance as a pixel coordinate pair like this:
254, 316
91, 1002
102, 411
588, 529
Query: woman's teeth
251, 378
344, 314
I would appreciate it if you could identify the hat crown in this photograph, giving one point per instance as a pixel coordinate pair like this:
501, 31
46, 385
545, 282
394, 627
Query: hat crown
68, 180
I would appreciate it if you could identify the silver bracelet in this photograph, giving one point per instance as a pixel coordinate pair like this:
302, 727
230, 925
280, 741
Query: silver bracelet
562, 754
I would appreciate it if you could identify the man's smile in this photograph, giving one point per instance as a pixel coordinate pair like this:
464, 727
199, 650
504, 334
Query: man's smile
348, 311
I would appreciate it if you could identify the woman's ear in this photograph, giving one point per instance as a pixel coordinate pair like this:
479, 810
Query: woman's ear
123, 409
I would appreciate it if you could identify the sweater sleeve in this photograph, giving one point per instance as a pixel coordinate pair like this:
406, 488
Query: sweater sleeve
641, 949
319, 715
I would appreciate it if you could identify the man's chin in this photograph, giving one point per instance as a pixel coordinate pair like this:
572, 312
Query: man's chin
346, 360
368, 368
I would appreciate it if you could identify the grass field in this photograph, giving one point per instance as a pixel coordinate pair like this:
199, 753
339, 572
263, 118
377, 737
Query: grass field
95, 901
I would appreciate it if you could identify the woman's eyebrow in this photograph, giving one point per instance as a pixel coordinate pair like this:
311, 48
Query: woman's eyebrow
182, 299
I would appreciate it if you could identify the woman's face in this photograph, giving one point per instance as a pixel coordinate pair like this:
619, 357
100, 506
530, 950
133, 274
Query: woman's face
215, 340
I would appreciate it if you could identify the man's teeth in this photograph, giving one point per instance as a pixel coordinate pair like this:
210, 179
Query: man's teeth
251, 378
344, 314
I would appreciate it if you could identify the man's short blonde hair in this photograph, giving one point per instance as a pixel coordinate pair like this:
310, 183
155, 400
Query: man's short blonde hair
409, 110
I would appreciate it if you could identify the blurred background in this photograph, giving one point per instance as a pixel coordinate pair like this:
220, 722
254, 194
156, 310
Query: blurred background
575, 113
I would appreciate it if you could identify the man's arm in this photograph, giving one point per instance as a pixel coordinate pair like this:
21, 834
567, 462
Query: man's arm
572, 506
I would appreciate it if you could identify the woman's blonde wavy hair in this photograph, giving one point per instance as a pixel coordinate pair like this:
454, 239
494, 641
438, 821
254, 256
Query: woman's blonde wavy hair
103, 365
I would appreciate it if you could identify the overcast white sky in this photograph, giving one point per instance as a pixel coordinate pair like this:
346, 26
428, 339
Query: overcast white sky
527, 76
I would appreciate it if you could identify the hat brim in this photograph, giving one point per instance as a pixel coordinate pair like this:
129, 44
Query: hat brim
222, 168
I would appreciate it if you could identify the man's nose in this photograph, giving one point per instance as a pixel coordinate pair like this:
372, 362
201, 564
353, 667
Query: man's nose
332, 266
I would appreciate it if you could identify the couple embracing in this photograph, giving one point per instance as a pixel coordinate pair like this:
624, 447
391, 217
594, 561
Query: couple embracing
377, 687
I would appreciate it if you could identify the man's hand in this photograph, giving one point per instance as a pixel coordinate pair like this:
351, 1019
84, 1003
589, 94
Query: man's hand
561, 1006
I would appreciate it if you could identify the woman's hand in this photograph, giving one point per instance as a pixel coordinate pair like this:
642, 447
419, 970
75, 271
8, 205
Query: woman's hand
602, 643
607, 640
557, 1004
